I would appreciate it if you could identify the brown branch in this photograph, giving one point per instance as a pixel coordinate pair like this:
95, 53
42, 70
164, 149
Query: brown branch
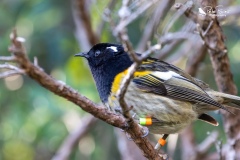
133, 126
223, 76
72, 95
73, 138
61, 89
126, 81
86, 38
125, 108
84, 31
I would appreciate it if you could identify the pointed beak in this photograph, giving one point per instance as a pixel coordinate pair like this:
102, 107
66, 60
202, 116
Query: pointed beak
82, 54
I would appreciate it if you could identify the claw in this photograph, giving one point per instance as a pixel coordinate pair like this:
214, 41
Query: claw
145, 132
147, 121
128, 137
134, 115
164, 156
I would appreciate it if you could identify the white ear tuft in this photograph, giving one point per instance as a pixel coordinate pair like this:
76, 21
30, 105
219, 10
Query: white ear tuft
113, 48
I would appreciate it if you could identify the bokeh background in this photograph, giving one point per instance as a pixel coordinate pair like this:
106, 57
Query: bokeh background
33, 121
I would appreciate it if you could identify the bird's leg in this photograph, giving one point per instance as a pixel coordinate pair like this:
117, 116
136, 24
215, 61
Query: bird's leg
147, 122
143, 122
161, 142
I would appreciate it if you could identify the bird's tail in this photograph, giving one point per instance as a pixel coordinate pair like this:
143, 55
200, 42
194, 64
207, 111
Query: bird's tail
226, 99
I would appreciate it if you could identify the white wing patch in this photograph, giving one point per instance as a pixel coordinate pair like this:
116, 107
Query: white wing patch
113, 48
166, 75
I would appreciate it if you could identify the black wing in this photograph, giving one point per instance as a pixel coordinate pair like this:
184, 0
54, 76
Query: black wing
171, 84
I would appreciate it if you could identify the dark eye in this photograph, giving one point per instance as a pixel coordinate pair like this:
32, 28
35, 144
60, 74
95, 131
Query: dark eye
97, 53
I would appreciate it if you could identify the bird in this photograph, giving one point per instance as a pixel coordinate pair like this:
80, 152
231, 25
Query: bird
163, 97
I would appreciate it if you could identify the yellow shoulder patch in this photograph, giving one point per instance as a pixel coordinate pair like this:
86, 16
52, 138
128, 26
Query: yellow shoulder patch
141, 73
119, 77
117, 81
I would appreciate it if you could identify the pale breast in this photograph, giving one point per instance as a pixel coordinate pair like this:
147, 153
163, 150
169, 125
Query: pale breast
172, 115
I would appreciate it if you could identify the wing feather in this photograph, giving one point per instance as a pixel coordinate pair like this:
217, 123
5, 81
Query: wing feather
185, 90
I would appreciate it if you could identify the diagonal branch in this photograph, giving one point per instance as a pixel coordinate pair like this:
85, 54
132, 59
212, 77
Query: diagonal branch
154, 21
126, 20
73, 138
59, 88
84, 30
7, 58
11, 70
214, 40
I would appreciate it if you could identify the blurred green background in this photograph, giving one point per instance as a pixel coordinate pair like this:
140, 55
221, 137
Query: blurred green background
34, 121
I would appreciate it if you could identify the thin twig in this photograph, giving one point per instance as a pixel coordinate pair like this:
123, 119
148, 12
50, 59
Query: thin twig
176, 16
105, 17
207, 143
12, 70
7, 58
153, 23
9, 66
219, 148
188, 27
124, 22
169, 37
84, 31
9, 74
126, 81
184, 50
73, 138
37, 73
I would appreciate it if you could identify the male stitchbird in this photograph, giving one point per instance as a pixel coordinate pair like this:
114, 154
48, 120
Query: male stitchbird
163, 96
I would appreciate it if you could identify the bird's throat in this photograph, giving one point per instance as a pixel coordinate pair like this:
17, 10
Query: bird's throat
105, 74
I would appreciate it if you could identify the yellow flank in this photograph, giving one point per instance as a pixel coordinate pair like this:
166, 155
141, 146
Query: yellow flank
119, 77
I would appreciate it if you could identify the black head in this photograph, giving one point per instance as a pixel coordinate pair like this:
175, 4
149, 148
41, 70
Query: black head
101, 53
106, 60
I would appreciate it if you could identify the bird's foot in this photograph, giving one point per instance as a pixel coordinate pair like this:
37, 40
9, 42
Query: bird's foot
164, 156
142, 122
145, 131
